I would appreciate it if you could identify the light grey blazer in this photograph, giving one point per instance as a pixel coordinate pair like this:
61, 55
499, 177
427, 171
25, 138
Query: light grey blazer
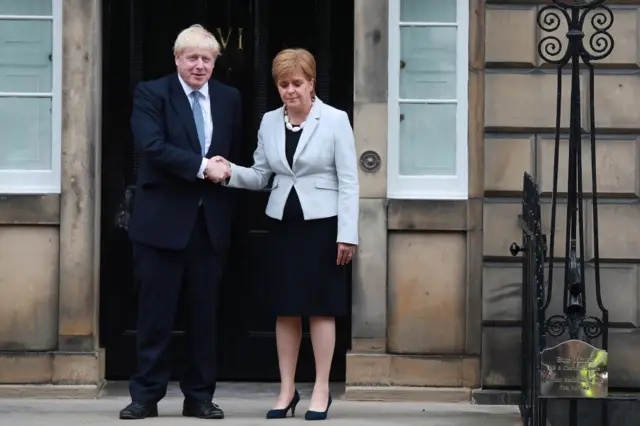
324, 171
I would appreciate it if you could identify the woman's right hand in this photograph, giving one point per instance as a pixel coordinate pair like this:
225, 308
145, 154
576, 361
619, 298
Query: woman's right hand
345, 253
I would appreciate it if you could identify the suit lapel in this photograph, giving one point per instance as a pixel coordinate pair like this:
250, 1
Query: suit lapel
216, 111
280, 138
183, 108
309, 127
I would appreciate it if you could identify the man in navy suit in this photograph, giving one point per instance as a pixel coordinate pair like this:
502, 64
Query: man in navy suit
181, 221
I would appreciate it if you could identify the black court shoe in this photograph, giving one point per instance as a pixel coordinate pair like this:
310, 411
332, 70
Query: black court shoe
138, 411
281, 413
318, 415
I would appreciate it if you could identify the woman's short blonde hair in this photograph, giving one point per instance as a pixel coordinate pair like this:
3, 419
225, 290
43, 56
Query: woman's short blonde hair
196, 36
288, 61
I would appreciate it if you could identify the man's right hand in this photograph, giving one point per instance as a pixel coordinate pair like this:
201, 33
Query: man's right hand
217, 169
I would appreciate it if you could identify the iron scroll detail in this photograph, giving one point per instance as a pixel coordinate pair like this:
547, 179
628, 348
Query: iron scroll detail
558, 325
573, 16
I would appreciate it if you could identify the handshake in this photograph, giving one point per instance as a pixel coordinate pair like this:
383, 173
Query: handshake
217, 170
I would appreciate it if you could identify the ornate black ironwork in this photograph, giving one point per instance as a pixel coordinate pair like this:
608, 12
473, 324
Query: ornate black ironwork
574, 323
589, 327
534, 249
574, 15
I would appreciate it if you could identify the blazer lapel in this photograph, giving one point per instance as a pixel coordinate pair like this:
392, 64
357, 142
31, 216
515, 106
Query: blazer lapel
183, 108
309, 127
216, 111
280, 138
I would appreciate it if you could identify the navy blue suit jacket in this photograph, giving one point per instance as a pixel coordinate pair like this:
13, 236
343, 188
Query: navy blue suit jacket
168, 190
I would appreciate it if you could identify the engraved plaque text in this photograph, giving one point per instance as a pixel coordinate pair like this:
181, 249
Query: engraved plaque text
574, 369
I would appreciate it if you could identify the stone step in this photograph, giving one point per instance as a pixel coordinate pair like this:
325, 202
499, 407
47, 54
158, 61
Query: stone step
242, 411
245, 404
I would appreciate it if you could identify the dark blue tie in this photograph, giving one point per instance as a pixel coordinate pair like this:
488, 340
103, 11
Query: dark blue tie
199, 119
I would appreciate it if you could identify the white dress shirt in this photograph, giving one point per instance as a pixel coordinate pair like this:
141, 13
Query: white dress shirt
205, 105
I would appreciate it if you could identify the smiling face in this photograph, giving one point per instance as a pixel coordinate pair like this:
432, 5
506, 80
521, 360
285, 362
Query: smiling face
296, 90
195, 65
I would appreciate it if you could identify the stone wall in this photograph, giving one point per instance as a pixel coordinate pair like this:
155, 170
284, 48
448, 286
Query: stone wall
48, 244
416, 311
520, 105
436, 298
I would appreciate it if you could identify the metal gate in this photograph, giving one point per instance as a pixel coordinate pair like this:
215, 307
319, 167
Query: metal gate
574, 325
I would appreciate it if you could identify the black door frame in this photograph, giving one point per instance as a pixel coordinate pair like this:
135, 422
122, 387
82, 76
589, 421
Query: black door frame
114, 188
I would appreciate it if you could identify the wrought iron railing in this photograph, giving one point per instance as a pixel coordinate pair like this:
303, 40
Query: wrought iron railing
544, 380
533, 338
600, 45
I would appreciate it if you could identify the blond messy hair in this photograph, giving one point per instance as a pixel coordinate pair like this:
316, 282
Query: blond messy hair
288, 61
196, 36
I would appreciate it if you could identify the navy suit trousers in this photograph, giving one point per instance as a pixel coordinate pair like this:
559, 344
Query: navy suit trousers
164, 278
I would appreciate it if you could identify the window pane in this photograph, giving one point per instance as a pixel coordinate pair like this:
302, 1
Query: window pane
428, 10
25, 52
25, 133
428, 63
427, 139
26, 7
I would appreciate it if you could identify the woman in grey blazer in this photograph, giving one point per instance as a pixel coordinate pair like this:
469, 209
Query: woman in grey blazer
313, 214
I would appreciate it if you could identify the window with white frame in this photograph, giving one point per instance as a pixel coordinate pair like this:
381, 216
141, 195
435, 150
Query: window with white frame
428, 81
30, 92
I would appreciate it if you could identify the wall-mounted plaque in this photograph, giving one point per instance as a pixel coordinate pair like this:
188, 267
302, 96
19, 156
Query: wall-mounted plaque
574, 369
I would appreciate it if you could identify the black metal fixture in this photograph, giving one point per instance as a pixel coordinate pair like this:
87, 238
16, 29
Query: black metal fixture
370, 161
569, 58
578, 50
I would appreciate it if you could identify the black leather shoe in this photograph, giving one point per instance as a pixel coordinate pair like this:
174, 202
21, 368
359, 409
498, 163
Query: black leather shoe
281, 413
202, 410
138, 411
318, 415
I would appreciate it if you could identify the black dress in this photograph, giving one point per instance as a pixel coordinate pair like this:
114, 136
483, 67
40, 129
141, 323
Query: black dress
302, 276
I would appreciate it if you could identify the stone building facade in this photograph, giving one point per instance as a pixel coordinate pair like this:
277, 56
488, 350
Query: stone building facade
435, 291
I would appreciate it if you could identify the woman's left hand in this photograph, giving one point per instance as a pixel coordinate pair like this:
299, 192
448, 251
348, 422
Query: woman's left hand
345, 253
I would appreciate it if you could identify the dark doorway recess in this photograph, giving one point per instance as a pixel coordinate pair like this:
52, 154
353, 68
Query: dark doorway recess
138, 36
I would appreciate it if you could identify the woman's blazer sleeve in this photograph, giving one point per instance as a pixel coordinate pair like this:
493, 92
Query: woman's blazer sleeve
257, 176
348, 187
